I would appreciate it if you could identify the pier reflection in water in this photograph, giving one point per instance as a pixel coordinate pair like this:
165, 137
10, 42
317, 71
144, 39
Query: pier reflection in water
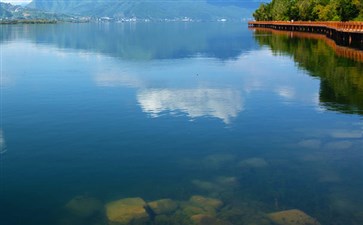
200, 118
338, 68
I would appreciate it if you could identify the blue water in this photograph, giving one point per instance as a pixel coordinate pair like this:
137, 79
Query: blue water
170, 110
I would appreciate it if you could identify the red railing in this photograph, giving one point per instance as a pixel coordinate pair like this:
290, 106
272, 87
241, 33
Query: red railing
341, 26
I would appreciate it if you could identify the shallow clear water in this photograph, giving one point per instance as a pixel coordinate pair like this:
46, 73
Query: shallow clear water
262, 122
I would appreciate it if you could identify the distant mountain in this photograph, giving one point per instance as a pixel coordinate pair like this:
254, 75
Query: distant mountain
4, 13
17, 12
150, 9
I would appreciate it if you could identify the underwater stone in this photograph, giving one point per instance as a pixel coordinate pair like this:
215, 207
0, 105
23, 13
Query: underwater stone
177, 218
83, 206
205, 202
292, 217
126, 211
206, 185
226, 181
202, 219
163, 206
245, 213
190, 210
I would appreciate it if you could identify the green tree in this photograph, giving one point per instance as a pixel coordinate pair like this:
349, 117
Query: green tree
305, 10
263, 13
293, 12
280, 9
326, 12
348, 9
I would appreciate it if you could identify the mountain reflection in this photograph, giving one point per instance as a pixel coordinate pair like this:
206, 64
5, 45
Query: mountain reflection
224, 104
341, 80
143, 42
140, 41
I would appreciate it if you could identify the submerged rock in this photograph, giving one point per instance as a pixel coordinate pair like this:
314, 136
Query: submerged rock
207, 186
163, 206
84, 206
245, 213
345, 199
190, 210
227, 181
126, 211
219, 184
292, 217
177, 218
205, 202
201, 205
202, 219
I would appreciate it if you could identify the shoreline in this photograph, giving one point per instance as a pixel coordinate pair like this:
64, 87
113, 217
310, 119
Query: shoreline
348, 34
36, 21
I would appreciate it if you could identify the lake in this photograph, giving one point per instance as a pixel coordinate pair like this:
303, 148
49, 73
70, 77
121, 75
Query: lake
256, 121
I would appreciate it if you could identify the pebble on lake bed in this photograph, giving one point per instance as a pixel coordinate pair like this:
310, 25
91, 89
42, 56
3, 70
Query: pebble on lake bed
163, 206
127, 211
218, 185
201, 205
292, 217
206, 185
205, 202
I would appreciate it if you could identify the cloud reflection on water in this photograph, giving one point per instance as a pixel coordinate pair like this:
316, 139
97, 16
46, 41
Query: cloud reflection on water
3, 148
201, 88
224, 104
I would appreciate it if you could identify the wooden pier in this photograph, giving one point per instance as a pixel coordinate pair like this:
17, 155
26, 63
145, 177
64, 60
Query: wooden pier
343, 33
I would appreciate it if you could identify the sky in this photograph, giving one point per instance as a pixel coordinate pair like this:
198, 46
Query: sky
16, 2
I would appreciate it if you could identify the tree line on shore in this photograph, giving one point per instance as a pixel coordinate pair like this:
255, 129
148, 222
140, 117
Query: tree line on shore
310, 10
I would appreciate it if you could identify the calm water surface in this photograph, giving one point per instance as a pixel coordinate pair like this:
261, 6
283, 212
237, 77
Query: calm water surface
108, 111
